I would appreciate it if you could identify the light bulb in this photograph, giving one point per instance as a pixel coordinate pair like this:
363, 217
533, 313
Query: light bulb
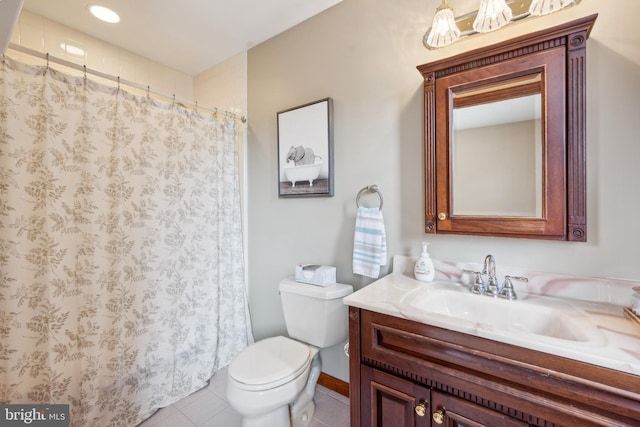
444, 30
492, 15
104, 14
544, 7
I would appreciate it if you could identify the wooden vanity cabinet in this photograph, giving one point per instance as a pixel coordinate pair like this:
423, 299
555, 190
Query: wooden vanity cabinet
402, 372
394, 401
455, 412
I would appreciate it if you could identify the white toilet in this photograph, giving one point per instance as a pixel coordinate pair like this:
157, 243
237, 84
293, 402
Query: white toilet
271, 383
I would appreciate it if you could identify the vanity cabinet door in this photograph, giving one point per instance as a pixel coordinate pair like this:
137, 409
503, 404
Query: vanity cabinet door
450, 411
391, 401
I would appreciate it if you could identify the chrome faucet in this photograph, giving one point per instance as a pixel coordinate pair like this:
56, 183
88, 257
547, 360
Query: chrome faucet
490, 286
489, 269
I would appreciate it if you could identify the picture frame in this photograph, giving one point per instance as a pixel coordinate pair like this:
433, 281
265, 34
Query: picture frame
305, 150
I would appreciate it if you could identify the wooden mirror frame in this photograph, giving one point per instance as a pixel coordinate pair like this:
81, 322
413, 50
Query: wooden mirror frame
564, 142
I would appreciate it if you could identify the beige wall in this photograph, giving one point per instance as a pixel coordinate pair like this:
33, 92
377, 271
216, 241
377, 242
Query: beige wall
223, 86
363, 54
42, 35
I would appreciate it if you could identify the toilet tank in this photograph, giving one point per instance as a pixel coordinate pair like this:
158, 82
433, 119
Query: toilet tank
315, 314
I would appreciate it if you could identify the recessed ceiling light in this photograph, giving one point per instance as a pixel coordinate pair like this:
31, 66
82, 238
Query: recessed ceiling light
104, 14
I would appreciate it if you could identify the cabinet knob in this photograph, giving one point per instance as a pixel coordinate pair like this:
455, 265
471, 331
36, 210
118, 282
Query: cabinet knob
421, 409
442, 216
438, 416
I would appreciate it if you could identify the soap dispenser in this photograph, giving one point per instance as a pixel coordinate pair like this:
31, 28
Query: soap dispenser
424, 270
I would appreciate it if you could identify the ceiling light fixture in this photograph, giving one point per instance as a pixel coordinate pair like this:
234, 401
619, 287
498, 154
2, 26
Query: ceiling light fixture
444, 30
104, 14
492, 15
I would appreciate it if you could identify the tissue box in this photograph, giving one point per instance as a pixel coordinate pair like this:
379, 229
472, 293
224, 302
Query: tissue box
313, 274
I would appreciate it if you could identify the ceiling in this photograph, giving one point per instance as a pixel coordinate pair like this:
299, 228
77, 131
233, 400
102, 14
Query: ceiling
188, 35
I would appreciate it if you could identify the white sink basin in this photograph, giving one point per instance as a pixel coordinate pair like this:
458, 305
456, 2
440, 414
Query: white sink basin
532, 319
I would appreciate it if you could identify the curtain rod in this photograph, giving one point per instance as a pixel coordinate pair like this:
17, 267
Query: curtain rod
117, 79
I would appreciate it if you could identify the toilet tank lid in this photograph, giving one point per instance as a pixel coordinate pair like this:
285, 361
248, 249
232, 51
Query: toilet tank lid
337, 290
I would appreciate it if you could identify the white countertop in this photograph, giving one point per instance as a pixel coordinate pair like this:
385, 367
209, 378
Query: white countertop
600, 301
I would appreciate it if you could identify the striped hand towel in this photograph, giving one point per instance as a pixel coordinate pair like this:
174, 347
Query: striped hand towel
369, 243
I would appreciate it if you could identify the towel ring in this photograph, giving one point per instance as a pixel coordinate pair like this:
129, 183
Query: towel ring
373, 189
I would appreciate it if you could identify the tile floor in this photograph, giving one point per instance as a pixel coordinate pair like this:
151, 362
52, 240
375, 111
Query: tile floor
208, 407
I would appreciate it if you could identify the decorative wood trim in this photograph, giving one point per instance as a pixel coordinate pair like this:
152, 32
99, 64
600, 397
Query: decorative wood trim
354, 365
564, 179
498, 95
516, 381
576, 138
333, 383
429, 155
501, 57
512, 48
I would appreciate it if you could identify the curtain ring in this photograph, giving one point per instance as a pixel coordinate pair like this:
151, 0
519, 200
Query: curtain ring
85, 73
148, 91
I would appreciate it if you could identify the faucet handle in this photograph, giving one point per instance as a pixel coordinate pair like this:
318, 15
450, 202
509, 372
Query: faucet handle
478, 287
507, 291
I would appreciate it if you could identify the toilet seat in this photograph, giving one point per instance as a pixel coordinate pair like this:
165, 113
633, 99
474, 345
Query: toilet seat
269, 363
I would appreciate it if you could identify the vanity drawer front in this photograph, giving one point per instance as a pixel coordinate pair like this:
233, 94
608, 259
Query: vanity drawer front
472, 368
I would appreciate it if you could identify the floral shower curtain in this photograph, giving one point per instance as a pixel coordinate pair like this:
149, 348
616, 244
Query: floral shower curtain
121, 264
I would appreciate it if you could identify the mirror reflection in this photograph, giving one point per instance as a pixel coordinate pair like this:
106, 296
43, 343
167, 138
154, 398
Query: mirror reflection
496, 147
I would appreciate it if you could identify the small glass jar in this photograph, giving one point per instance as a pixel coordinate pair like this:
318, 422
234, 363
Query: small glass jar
635, 300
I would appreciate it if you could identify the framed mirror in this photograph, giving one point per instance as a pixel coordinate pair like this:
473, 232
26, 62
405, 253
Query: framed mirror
505, 138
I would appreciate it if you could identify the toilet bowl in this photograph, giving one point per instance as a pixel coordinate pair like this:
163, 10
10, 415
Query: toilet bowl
266, 377
271, 383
